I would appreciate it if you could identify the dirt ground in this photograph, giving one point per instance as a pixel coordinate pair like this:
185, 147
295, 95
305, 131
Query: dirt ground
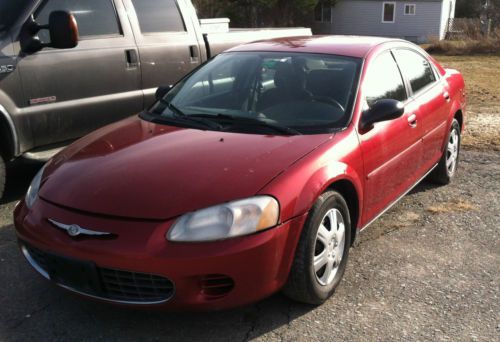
429, 269
482, 77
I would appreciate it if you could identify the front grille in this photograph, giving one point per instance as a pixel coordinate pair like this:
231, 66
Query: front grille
111, 284
126, 286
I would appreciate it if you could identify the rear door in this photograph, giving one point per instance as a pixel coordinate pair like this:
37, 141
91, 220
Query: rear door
432, 100
392, 150
69, 93
167, 41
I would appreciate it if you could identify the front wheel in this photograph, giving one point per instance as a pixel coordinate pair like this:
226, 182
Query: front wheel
321, 256
447, 167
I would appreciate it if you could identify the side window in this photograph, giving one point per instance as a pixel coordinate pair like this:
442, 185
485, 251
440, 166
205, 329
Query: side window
94, 17
416, 68
384, 81
159, 16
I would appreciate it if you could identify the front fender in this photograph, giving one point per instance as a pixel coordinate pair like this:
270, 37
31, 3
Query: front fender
298, 187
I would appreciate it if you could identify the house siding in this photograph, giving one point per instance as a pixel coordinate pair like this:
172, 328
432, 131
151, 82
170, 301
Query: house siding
364, 17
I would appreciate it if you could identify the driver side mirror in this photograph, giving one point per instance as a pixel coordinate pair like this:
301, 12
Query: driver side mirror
382, 110
63, 31
162, 91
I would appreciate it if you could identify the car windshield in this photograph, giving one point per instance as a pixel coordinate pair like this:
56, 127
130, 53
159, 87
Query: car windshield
289, 92
10, 11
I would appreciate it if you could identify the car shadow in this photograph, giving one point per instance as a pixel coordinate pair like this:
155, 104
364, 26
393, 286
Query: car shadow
19, 176
425, 185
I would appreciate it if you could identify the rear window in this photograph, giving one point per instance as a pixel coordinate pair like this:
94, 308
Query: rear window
416, 68
159, 16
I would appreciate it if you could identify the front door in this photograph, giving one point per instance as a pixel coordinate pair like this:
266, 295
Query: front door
392, 150
69, 93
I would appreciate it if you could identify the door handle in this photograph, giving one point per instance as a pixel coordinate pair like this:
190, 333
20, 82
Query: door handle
132, 59
194, 52
446, 96
412, 120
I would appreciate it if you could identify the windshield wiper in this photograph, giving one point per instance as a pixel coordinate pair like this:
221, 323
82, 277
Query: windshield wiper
250, 121
179, 114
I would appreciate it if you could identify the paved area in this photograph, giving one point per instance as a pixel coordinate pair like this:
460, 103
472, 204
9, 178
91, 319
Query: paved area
427, 270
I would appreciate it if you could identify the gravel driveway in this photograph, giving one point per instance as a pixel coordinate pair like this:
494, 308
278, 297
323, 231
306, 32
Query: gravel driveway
429, 269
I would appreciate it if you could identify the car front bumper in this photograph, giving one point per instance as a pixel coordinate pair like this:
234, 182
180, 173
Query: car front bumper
138, 266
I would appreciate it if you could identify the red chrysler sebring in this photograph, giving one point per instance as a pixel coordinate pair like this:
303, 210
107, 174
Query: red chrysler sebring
251, 175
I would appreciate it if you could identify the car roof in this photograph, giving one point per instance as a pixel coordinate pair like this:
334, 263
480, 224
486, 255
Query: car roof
354, 46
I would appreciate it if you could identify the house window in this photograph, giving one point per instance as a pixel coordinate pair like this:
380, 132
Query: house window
388, 12
410, 9
323, 12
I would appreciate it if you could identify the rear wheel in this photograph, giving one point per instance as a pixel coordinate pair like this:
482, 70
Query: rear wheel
322, 252
2, 176
447, 167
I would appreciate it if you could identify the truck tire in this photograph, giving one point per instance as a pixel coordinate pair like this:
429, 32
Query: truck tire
2, 176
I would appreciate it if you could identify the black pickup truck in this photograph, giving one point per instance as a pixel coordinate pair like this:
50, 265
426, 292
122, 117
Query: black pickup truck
68, 67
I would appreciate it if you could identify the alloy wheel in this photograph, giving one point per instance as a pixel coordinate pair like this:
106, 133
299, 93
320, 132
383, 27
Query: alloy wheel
452, 152
329, 247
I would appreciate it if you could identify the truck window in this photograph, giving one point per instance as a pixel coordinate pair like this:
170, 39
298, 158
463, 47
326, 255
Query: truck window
157, 16
96, 18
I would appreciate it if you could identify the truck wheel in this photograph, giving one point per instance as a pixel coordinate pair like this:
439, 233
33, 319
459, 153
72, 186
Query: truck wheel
321, 256
447, 167
2, 177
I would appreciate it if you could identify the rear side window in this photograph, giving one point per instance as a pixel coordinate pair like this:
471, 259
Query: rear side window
159, 16
94, 17
416, 68
384, 81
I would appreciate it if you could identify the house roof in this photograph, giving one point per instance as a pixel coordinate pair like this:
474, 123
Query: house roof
354, 46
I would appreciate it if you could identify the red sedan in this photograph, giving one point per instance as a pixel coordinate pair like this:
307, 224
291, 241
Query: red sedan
251, 175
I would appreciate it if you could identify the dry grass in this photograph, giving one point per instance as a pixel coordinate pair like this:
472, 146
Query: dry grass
465, 47
452, 206
482, 77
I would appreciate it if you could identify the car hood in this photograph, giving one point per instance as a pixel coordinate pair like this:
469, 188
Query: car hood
139, 169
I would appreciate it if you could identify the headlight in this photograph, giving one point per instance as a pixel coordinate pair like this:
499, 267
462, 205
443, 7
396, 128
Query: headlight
227, 220
32, 194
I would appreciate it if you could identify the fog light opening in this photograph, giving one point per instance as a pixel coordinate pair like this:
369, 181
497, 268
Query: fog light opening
214, 286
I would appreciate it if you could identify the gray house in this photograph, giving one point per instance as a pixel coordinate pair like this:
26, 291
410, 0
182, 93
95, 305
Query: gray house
414, 20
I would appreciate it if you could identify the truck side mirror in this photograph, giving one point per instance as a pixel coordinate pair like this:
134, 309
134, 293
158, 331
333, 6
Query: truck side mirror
63, 31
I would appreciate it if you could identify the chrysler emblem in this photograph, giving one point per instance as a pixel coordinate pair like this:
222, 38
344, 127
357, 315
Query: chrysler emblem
75, 230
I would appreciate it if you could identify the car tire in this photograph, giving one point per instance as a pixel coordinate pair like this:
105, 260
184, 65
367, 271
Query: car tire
2, 176
321, 243
447, 167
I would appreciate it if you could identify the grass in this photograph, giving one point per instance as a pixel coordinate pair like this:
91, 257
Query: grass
465, 47
482, 78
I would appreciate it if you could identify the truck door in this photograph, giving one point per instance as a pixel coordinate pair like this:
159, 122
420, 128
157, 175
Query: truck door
168, 44
69, 93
